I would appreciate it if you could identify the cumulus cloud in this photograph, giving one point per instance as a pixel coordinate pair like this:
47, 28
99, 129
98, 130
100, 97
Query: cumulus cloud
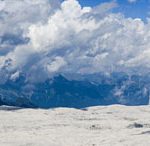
17, 15
67, 38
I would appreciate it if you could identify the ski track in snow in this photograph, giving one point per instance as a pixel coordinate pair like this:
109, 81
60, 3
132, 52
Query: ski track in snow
95, 126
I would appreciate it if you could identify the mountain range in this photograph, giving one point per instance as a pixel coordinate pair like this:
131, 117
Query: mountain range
78, 91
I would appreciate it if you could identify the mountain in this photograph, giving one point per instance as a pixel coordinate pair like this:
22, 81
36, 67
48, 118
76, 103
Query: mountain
77, 91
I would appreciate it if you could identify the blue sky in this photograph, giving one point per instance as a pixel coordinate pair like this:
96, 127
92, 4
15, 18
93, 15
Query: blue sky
140, 8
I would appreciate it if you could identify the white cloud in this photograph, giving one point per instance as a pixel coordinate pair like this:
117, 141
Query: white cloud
15, 76
79, 40
132, 1
17, 14
55, 65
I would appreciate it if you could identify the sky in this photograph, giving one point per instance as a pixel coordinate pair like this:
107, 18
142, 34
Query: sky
130, 8
139, 8
42, 38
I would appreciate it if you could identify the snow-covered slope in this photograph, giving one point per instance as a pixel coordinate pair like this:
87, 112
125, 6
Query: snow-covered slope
96, 126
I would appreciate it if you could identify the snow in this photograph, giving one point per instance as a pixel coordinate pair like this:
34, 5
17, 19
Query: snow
95, 126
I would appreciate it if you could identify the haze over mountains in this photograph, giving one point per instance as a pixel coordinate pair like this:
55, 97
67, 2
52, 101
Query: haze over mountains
77, 91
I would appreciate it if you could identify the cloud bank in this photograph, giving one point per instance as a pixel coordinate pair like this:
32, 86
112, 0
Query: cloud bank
41, 38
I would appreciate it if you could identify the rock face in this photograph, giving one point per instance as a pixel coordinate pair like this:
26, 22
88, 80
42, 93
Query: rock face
78, 91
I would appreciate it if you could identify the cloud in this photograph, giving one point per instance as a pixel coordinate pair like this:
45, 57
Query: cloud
15, 18
67, 38
132, 1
